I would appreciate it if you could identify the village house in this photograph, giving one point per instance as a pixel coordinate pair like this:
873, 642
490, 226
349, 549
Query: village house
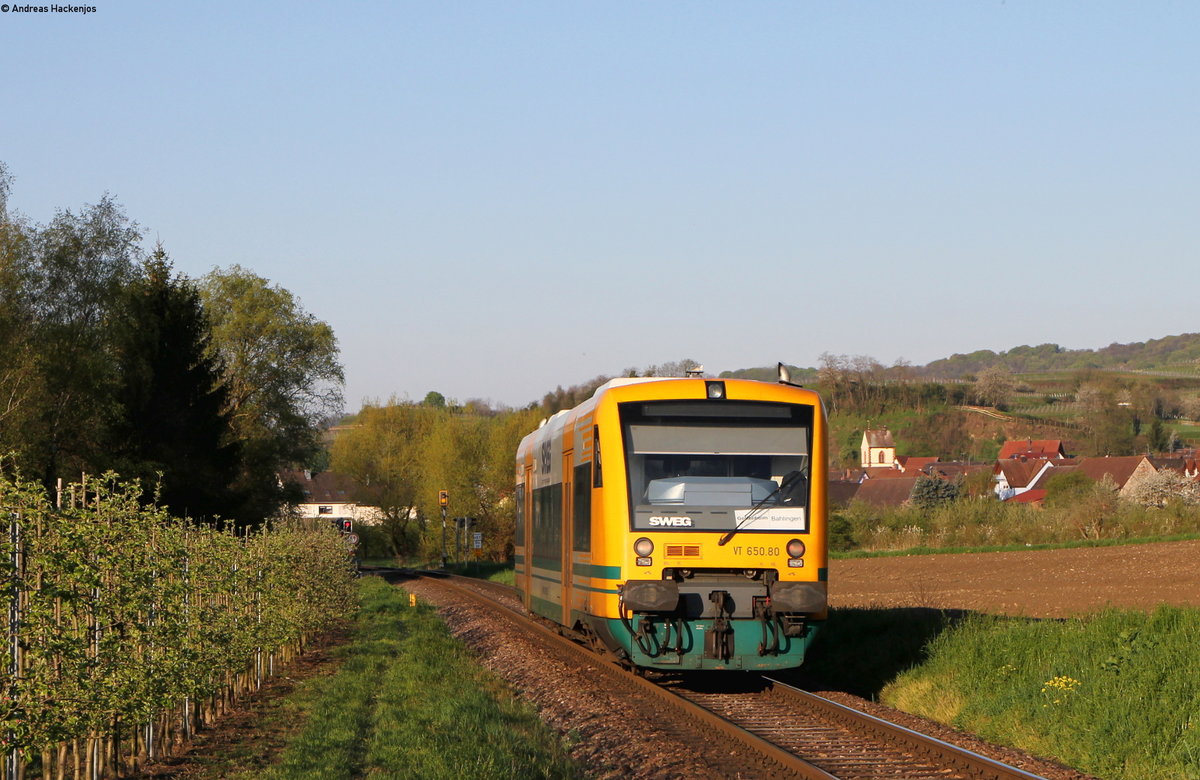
335, 498
1188, 467
915, 464
954, 469
887, 492
1032, 449
1125, 471
1015, 476
1021, 471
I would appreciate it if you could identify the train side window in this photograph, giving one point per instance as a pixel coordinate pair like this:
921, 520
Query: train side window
547, 522
520, 521
582, 499
597, 472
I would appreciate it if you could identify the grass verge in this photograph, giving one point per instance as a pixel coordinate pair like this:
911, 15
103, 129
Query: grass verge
409, 701
1021, 547
1114, 693
493, 572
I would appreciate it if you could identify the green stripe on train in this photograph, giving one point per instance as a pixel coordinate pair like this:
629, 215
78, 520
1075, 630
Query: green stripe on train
580, 586
598, 572
552, 564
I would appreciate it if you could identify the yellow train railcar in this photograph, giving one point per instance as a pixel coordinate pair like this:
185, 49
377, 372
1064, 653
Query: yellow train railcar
680, 522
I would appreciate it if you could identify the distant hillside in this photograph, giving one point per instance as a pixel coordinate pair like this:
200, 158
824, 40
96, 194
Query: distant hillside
799, 375
1170, 354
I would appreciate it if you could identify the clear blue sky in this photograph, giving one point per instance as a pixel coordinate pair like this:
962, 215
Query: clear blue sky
491, 199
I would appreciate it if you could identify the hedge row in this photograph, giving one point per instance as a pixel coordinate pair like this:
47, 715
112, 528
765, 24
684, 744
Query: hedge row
129, 628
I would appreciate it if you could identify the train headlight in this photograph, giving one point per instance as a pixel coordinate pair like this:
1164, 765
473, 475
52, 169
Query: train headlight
714, 390
643, 547
795, 548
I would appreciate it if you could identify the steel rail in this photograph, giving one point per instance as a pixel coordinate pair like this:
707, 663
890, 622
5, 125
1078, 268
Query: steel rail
856, 719
772, 758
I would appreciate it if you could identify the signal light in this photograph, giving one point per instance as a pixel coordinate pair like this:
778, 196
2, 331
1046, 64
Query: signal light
795, 548
714, 390
643, 547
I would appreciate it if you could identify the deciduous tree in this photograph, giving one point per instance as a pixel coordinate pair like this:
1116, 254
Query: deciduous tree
1164, 487
281, 371
994, 386
20, 385
81, 266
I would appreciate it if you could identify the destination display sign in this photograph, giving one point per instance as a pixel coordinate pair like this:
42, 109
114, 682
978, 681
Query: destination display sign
782, 519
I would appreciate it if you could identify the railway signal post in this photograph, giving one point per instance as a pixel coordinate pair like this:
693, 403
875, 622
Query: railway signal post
444, 502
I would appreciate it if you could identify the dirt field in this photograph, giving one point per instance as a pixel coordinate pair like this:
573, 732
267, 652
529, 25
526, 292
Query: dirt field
1043, 583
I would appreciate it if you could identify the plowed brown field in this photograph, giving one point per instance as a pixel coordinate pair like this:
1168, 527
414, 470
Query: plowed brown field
1038, 583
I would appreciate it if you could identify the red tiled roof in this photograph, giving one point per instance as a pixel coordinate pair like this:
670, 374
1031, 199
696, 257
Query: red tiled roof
1051, 472
1120, 468
1031, 448
1019, 473
911, 463
1028, 497
1174, 464
886, 492
885, 472
840, 492
950, 470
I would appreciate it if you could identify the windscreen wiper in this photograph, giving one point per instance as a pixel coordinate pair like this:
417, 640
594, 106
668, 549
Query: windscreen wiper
787, 482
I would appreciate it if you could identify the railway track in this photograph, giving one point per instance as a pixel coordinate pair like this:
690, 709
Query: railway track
773, 729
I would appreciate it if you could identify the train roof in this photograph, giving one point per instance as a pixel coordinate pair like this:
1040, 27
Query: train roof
623, 381
553, 425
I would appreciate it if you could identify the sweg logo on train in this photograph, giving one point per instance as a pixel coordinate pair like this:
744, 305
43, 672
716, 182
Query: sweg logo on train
671, 522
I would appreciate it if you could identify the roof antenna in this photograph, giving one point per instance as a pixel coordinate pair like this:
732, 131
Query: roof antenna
694, 371
785, 376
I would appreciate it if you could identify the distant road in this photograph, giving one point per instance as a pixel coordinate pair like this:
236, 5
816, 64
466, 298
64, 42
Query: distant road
987, 411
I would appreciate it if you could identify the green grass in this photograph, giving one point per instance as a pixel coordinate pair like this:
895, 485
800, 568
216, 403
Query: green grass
1011, 547
410, 701
486, 570
1115, 694
861, 650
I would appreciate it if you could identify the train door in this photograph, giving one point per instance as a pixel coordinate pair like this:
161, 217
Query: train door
567, 536
526, 582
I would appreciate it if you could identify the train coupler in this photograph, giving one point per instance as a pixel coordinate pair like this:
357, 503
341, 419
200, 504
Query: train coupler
718, 642
770, 630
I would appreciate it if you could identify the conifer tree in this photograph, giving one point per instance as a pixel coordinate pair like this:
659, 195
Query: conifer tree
170, 398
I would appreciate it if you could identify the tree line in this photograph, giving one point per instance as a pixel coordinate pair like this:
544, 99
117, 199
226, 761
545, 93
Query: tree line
405, 452
111, 360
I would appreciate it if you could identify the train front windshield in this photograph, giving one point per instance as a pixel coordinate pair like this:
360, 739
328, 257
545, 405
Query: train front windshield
717, 465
